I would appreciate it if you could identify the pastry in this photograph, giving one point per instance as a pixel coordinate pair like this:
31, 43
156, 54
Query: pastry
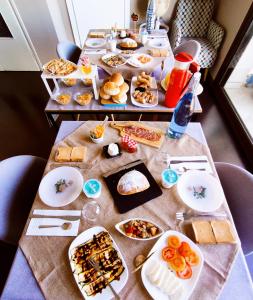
63, 99
84, 99
69, 81
60, 67
103, 95
117, 78
144, 97
124, 87
132, 182
203, 232
222, 231
128, 43
120, 98
63, 154
87, 81
78, 153
158, 52
111, 88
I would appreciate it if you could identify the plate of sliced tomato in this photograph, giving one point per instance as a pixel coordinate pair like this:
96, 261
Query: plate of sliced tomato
182, 256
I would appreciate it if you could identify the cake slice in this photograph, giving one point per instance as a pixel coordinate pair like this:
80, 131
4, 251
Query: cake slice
63, 154
203, 232
222, 231
78, 153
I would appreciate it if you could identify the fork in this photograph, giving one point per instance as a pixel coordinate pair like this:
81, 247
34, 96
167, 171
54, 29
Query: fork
184, 216
95, 265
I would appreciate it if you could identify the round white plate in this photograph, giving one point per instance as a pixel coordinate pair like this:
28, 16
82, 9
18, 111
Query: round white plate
188, 284
133, 60
189, 188
118, 285
199, 88
95, 42
158, 43
47, 190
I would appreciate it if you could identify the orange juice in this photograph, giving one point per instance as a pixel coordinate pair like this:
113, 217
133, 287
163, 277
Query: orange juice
86, 69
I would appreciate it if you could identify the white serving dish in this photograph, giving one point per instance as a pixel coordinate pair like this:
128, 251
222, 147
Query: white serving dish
134, 62
58, 93
108, 55
188, 284
214, 195
118, 227
117, 284
47, 190
80, 93
154, 91
95, 42
158, 43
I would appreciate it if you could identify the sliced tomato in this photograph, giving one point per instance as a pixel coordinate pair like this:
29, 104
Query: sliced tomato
168, 253
178, 263
184, 249
192, 258
174, 241
186, 273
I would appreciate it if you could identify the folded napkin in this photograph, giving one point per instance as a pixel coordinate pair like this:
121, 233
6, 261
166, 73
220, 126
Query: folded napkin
182, 164
57, 212
33, 228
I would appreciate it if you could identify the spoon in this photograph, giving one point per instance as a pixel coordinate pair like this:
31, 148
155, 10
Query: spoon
64, 226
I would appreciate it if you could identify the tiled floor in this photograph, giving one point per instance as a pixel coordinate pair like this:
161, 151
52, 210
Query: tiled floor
242, 99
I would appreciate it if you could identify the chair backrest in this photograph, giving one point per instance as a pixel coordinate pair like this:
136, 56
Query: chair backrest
237, 184
69, 51
191, 47
19, 180
194, 17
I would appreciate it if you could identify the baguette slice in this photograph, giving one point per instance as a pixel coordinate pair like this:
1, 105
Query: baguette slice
203, 232
63, 154
78, 153
222, 231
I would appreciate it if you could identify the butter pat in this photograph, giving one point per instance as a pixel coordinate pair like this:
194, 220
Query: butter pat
92, 188
113, 149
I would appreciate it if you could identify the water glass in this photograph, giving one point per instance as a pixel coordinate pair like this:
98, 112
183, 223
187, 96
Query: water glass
91, 212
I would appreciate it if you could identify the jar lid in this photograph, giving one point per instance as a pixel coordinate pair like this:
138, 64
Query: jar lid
169, 177
183, 57
92, 188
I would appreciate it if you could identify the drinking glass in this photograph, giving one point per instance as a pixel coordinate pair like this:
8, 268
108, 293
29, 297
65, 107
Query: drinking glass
91, 212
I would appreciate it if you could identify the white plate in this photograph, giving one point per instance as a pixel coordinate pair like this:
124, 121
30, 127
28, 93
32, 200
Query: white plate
154, 91
47, 191
108, 55
188, 284
95, 42
133, 60
158, 43
213, 196
118, 227
198, 92
117, 284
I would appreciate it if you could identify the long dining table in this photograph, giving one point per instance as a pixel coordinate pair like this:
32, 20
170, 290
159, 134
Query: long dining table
22, 284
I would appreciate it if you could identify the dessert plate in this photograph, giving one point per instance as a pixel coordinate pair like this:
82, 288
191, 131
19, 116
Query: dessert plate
135, 60
95, 42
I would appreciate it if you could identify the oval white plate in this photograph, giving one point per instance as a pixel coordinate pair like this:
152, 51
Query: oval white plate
95, 42
118, 227
47, 191
214, 195
117, 284
133, 60
188, 284
158, 43
198, 92
154, 91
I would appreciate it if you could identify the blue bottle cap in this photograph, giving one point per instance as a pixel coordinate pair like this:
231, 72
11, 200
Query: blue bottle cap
92, 188
169, 178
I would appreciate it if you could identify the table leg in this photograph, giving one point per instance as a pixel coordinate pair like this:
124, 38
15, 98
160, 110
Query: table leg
51, 120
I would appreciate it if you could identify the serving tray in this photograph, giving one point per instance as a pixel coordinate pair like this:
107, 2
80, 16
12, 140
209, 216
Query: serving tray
125, 203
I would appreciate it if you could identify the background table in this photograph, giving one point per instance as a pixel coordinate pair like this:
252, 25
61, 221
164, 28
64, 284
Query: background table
238, 286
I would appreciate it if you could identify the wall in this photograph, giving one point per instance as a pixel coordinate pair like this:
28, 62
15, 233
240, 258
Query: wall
230, 14
38, 23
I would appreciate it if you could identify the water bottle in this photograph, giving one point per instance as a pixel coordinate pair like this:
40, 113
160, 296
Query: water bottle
150, 17
184, 109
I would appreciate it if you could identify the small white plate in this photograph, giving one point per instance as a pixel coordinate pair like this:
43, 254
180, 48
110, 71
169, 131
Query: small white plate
158, 43
193, 180
188, 284
95, 42
118, 285
133, 60
119, 225
47, 190
108, 55
154, 91
198, 92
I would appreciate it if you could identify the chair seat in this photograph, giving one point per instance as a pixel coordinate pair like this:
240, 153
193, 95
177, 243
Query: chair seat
207, 54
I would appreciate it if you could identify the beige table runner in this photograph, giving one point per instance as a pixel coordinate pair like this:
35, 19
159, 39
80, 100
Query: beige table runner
48, 256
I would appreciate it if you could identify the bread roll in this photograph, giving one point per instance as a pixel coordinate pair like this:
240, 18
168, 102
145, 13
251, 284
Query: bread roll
120, 98
103, 94
124, 87
132, 182
117, 78
111, 88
